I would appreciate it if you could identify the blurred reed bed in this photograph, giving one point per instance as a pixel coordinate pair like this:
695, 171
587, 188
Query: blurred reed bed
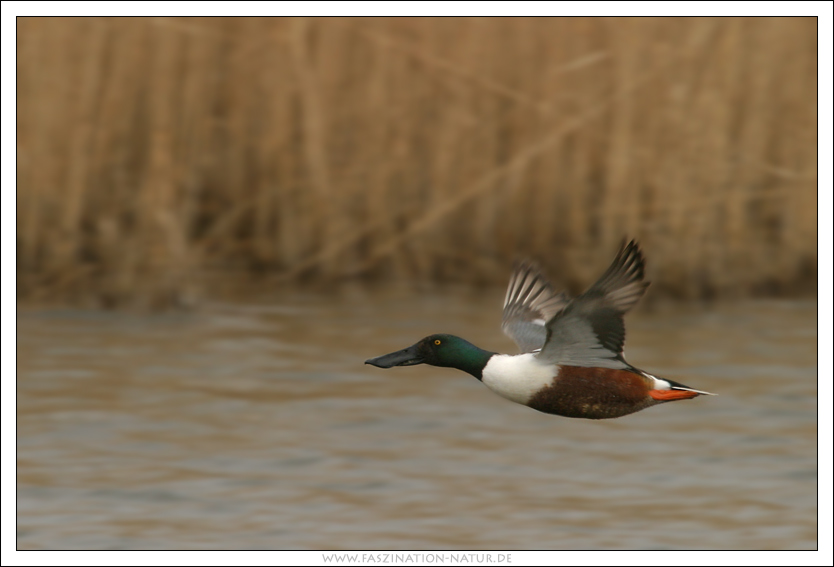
152, 152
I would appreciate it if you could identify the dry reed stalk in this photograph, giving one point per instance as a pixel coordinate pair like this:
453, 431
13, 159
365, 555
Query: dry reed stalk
422, 149
519, 160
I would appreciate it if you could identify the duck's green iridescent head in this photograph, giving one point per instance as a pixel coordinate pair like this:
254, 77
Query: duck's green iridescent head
438, 350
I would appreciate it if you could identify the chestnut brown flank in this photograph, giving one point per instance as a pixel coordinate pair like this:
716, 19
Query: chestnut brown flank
594, 393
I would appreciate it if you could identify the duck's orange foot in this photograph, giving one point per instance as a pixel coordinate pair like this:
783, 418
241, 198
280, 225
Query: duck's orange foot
666, 395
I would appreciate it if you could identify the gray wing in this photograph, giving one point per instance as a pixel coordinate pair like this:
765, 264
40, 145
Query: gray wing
589, 331
529, 303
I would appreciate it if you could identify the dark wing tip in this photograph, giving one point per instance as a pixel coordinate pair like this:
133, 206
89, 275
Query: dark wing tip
622, 285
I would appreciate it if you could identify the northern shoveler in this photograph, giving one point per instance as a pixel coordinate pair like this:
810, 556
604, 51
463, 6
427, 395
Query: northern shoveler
571, 360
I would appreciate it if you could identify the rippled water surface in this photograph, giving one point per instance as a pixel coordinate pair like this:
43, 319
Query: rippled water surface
257, 426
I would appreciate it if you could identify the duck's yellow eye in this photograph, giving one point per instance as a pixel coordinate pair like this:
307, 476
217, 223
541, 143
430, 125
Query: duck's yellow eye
437, 341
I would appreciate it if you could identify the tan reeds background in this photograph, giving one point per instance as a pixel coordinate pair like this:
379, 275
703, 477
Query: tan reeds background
154, 151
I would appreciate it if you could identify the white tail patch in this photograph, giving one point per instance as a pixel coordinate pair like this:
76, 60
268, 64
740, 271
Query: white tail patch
661, 384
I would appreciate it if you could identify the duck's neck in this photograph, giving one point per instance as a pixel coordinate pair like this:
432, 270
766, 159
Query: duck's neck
471, 359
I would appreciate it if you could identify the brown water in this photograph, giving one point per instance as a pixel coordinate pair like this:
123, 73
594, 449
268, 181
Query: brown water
258, 426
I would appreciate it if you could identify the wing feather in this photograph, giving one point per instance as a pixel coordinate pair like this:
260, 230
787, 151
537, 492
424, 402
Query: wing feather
529, 303
589, 331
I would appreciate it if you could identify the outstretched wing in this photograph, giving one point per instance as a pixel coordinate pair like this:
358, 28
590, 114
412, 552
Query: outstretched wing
589, 331
530, 302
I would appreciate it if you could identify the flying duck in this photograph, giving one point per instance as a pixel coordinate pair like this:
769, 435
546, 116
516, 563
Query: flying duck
571, 361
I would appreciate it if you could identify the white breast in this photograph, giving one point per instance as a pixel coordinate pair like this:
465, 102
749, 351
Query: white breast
517, 377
